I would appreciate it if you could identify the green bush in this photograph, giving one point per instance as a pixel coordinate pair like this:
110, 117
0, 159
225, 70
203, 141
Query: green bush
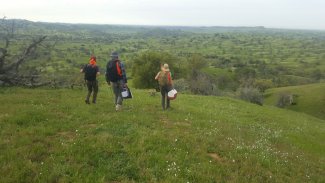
263, 84
147, 65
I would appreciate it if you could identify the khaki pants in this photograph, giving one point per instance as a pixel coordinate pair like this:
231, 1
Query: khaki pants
117, 90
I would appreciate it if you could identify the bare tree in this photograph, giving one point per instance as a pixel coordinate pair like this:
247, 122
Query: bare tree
10, 63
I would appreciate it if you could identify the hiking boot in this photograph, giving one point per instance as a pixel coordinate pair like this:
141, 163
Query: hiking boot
87, 102
118, 107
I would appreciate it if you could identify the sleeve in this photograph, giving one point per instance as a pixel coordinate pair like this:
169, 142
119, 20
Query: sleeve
157, 76
106, 73
84, 67
123, 73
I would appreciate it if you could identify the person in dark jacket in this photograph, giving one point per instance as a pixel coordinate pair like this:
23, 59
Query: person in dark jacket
91, 72
116, 76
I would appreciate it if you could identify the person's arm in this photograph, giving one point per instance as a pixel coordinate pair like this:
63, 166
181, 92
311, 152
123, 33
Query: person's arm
157, 76
97, 69
170, 79
125, 81
106, 75
82, 70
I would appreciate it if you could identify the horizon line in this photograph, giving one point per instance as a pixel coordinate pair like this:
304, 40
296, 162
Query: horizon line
165, 25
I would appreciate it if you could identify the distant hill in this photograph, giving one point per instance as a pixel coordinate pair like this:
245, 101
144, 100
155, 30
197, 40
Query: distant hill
309, 99
47, 27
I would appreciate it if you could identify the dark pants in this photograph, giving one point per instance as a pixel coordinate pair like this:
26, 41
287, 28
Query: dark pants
92, 87
164, 97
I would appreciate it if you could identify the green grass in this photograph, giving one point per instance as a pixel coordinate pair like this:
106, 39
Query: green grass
310, 98
52, 136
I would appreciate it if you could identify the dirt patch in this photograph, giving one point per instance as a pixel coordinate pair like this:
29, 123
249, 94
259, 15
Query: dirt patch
67, 135
183, 124
87, 126
165, 121
215, 156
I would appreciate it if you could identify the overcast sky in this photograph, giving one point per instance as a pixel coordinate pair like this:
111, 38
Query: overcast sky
301, 14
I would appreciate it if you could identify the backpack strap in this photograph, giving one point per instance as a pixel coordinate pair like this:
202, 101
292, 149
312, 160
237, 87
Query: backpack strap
169, 77
118, 68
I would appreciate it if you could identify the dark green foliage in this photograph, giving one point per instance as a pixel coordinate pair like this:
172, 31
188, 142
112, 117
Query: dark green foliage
317, 74
147, 65
181, 85
263, 84
199, 82
245, 73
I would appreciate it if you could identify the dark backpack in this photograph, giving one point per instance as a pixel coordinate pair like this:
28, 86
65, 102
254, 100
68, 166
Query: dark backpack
90, 72
112, 72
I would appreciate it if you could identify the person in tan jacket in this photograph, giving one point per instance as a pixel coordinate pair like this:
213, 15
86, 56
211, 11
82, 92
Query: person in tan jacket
165, 84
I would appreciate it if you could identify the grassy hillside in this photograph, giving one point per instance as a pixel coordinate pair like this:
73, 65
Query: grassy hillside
310, 98
52, 136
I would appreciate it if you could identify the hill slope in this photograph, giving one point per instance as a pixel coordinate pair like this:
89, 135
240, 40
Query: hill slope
52, 136
310, 98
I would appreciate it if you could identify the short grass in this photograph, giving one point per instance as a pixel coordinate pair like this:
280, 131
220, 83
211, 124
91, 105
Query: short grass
310, 98
52, 136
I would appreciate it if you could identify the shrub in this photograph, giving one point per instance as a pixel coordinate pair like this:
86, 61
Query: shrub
181, 85
147, 65
263, 84
251, 94
286, 99
202, 84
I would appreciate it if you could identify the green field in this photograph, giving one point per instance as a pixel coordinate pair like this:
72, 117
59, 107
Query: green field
310, 98
52, 136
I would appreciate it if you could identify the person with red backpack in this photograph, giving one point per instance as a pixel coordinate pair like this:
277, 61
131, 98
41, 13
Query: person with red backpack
166, 84
116, 76
91, 71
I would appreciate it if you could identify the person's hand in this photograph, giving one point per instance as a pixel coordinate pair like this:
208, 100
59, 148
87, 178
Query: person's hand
125, 85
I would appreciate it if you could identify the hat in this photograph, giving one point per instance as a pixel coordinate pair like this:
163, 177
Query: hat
166, 67
114, 54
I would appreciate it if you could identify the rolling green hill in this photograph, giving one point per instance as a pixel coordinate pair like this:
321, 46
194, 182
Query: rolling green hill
52, 136
309, 99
